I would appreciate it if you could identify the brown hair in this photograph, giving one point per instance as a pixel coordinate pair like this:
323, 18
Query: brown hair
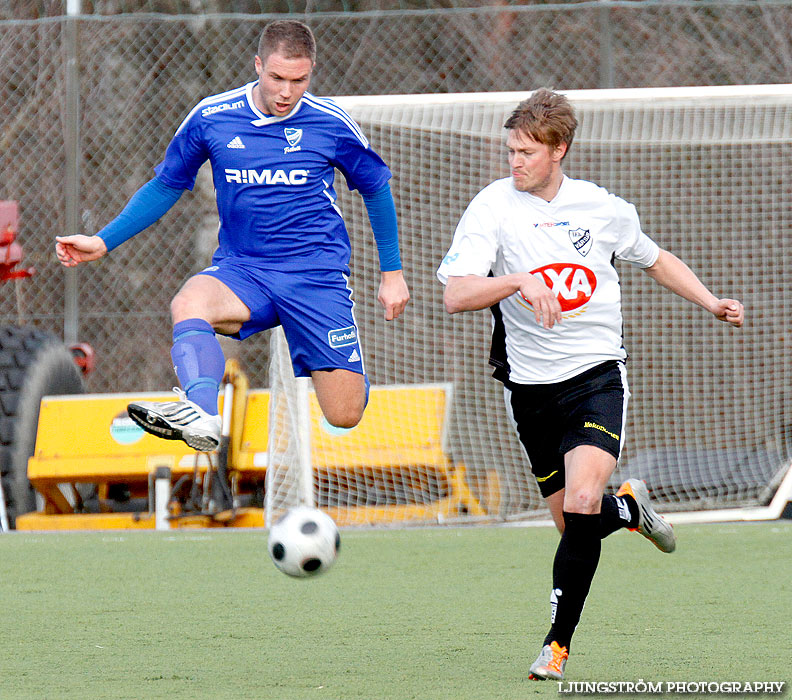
546, 117
292, 38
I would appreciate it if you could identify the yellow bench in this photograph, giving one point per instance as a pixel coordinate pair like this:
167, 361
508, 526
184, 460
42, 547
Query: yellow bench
89, 439
392, 467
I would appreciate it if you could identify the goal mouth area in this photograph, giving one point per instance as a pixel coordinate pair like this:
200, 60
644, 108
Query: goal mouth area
710, 422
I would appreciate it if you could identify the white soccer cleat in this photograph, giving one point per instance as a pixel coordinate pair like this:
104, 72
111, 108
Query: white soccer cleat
178, 420
651, 525
551, 663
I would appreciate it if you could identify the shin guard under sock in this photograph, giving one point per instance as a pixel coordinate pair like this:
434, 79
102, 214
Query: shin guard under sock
199, 362
573, 570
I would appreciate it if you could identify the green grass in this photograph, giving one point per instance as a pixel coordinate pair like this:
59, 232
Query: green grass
429, 613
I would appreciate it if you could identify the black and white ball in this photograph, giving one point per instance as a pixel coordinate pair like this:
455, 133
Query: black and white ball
304, 542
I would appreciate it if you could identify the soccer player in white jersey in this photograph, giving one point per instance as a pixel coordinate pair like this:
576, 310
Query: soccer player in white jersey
283, 254
538, 249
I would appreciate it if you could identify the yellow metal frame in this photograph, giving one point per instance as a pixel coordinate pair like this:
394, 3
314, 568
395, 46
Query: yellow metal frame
90, 439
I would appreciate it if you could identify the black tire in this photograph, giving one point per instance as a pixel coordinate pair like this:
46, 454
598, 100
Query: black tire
33, 364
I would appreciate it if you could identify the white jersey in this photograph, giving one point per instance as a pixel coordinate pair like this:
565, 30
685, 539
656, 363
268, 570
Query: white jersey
570, 244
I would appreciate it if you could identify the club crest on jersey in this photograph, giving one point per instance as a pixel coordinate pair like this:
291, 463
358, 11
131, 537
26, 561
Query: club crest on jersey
581, 239
293, 136
573, 285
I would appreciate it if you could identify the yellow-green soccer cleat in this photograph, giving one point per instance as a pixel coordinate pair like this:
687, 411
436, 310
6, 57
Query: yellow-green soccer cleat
651, 525
550, 664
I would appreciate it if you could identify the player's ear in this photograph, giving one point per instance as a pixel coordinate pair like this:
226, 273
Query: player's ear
559, 152
258, 64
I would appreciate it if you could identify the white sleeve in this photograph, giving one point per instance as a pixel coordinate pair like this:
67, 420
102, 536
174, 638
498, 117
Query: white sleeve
634, 245
475, 244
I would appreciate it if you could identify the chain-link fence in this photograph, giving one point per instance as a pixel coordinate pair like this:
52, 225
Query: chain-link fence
88, 105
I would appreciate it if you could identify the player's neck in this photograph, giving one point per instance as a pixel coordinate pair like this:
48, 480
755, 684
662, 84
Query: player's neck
549, 191
258, 102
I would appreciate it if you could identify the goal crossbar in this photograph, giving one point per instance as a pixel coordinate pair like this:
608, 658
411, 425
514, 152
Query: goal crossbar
705, 92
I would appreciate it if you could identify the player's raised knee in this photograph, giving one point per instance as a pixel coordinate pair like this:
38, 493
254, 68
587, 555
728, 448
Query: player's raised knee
344, 416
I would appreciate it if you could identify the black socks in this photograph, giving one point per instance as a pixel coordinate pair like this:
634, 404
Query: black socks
616, 513
575, 562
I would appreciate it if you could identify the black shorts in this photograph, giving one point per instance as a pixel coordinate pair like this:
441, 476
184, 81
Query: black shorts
551, 419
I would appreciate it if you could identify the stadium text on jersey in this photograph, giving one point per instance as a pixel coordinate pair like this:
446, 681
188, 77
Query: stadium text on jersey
222, 108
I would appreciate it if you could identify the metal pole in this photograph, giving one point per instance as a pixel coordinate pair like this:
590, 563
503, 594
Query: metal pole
606, 46
71, 180
3, 512
304, 441
162, 493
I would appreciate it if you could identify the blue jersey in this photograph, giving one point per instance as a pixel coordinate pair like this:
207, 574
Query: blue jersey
273, 177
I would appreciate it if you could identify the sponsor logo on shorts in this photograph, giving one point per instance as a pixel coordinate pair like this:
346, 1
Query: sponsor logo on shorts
214, 268
597, 426
340, 337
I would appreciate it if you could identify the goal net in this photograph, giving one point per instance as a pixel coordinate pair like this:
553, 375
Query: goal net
710, 419
289, 477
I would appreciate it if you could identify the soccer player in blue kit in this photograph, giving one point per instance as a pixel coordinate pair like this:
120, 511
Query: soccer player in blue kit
283, 253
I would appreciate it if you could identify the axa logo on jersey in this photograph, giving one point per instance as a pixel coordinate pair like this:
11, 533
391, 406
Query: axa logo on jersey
572, 284
267, 177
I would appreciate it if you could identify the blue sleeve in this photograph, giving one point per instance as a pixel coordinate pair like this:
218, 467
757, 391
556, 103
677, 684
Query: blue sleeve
360, 164
185, 155
382, 215
147, 205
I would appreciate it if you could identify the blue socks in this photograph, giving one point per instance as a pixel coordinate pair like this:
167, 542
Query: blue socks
199, 362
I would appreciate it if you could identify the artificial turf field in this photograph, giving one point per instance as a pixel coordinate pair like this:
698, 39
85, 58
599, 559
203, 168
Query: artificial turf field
455, 613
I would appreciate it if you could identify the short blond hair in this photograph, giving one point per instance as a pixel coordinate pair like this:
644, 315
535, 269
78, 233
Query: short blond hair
546, 117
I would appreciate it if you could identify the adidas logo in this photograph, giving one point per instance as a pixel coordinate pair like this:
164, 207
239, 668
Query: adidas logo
235, 142
354, 357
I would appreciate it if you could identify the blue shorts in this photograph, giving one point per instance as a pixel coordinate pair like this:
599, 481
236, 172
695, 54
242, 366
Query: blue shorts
314, 307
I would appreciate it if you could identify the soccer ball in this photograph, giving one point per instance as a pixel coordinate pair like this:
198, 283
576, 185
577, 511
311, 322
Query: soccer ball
304, 542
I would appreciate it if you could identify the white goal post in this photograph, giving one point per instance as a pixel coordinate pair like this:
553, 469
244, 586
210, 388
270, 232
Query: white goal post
289, 477
710, 419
